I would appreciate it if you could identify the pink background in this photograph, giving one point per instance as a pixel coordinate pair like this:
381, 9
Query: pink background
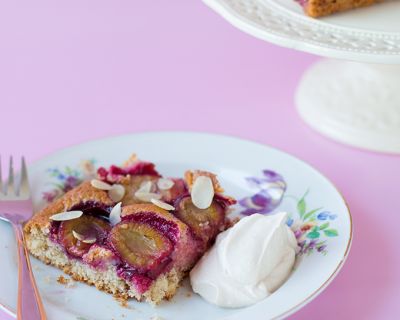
75, 71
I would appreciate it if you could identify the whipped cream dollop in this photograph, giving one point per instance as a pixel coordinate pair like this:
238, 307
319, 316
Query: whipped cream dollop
247, 263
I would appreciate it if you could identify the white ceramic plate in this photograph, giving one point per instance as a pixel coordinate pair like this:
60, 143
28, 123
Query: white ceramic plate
368, 34
245, 169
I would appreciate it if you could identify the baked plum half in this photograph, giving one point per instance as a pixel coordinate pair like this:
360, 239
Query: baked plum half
140, 245
205, 223
78, 235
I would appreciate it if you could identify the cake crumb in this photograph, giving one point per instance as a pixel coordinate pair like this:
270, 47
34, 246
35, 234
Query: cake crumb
61, 279
122, 302
67, 282
188, 294
47, 279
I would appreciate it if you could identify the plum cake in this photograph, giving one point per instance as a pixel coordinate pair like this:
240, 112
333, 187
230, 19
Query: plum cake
131, 232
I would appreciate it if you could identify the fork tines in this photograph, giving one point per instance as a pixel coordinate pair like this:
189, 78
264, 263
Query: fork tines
22, 189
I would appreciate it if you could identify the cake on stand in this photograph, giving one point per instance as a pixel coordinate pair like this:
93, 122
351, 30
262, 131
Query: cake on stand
354, 95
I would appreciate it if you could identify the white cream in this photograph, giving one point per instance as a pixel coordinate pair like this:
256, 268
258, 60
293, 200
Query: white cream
247, 263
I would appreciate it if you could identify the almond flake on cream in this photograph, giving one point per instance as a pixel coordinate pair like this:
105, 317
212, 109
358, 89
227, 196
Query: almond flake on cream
101, 185
162, 204
83, 238
68, 215
202, 192
117, 192
165, 184
147, 196
115, 214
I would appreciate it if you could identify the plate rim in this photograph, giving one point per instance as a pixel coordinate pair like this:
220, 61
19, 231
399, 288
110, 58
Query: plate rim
285, 29
339, 267
8, 310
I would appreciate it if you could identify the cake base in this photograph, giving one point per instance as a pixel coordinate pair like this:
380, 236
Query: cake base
354, 103
105, 279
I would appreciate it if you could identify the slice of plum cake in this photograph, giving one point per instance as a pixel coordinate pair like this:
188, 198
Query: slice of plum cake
131, 232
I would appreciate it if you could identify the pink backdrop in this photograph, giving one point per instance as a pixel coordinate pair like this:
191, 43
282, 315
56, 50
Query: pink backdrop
75, 71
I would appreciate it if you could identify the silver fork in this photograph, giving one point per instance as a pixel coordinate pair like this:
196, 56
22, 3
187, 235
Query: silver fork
16, 208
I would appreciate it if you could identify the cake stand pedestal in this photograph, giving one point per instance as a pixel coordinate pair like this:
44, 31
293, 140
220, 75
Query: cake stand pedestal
353, 98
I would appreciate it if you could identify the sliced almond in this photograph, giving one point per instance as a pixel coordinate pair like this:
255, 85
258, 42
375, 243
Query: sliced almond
82, 238
115, 214
68, 215
77, 235
165, 184
145, 186
147, 196
101, 185
117, 192
162, 204
202, 192
191, 176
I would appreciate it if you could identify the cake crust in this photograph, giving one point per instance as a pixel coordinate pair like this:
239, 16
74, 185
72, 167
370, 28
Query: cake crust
320, 8
105, 280
81, 194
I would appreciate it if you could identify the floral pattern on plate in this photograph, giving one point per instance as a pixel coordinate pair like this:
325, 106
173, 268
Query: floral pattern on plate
271, 188
312, 227
67, 179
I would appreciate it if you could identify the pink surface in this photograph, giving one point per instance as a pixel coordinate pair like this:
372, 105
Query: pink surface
74, 71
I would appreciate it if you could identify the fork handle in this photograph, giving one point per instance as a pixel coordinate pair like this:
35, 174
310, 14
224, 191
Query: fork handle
30, 305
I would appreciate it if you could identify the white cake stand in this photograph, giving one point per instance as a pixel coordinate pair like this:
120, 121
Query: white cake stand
357, 102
